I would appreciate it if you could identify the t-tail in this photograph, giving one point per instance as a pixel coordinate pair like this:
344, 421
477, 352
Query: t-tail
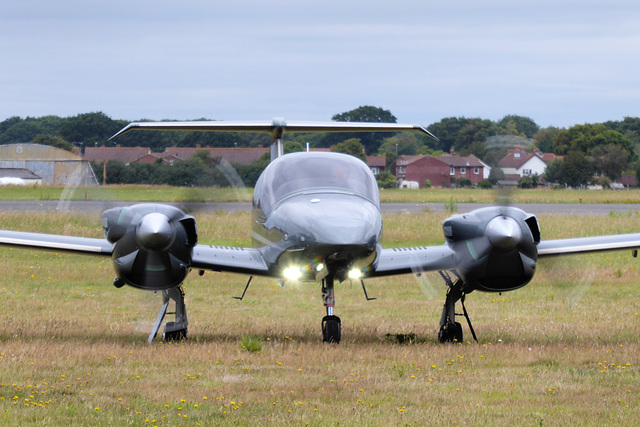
276, 128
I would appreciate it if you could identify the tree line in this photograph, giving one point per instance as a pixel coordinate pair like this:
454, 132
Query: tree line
607, 149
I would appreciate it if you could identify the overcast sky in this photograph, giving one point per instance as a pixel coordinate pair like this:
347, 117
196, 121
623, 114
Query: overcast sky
559, 62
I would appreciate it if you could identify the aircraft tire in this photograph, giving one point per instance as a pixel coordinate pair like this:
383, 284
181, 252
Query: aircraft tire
331, 332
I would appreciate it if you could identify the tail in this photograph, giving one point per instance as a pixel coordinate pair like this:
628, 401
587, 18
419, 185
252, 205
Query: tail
276, 128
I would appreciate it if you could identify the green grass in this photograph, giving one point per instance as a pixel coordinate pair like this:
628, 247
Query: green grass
561, 351
134, 193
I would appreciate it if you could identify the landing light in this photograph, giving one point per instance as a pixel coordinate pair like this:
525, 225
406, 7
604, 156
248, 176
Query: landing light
355, 274
320, 267
292, 273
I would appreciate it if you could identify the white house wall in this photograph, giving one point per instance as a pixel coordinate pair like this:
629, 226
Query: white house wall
534, 164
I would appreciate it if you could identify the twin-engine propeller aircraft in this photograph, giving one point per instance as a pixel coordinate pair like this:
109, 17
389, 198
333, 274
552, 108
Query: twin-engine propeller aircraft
316, 217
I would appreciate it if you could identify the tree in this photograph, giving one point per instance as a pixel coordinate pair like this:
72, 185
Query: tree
522, 125
611, 160
528, 181
6, 124
90, 128
575, 170
447, 131
404, 144
21, 132
351, 146
386, 180
585, 138
475, 131
370, 140
544, 138
292, 147
629, 127
366, 113
552, 172
54, 141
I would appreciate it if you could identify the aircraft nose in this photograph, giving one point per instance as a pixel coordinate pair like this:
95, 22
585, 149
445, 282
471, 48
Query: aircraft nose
331, 220
504, 233
154, 232
346, 223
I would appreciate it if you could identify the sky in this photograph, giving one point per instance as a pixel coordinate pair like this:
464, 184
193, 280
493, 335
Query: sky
558, 62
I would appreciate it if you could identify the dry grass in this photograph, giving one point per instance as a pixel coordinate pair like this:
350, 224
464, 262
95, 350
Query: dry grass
563, 350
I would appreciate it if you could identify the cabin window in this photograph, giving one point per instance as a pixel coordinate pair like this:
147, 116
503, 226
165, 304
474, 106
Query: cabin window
297, 173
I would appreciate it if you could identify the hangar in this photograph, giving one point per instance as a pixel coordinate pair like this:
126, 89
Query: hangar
53, 165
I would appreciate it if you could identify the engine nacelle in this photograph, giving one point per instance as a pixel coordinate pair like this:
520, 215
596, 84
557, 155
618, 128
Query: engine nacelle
496, 247
152, 244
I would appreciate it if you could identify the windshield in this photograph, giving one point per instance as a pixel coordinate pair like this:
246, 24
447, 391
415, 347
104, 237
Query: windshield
301, 172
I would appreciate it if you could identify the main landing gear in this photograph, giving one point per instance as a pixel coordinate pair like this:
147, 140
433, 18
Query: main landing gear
176, 330
450, 330
331, 328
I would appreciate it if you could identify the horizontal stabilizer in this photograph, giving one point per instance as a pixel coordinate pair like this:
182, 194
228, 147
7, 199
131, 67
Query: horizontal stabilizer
276, 127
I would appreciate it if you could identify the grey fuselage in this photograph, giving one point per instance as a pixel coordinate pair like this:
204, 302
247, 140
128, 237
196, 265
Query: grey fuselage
319, 212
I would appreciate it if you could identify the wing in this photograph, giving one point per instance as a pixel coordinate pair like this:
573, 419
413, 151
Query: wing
229, 259
56, 243
588, 244
413, 260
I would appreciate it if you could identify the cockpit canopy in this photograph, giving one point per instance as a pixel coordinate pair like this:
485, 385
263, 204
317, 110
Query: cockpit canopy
314, 172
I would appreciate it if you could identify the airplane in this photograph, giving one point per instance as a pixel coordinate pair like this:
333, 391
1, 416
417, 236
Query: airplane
316, 217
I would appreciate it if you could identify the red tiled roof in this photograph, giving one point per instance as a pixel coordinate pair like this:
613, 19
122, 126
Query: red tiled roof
230, 154
124, 154
456, 161
373, 161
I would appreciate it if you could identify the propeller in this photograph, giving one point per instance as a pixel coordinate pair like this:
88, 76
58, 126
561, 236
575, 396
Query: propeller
152, 244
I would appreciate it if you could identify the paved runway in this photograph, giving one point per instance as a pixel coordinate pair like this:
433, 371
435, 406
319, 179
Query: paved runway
534, 208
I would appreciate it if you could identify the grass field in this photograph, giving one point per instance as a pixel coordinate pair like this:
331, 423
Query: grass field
138, 193
562, 351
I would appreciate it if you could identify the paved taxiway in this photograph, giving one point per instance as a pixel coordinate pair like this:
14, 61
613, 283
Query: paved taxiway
534, 208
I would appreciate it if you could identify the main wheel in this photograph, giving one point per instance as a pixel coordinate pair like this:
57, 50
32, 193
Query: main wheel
451, 332
172, 334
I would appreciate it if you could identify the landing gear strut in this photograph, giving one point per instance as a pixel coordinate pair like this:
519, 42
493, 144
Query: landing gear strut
450, 330
176, 330
331, 328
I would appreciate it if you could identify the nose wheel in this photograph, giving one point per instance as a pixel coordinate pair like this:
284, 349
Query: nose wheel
331, 325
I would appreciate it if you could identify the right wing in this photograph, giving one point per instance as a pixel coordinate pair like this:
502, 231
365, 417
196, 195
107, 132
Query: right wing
56, 243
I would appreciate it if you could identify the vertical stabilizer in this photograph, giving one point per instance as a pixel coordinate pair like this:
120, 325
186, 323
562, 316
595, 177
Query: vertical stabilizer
277, 137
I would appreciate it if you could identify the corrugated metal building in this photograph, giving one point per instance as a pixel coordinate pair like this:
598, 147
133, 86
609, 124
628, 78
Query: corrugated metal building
53, 165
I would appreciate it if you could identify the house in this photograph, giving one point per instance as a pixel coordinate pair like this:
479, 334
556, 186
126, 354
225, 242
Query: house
129, 155
244, 155
518, 163
440, 171
377, 164
125, 155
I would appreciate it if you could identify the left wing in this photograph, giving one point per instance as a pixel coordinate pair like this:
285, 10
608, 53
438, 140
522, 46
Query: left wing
414, 260
582, 245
